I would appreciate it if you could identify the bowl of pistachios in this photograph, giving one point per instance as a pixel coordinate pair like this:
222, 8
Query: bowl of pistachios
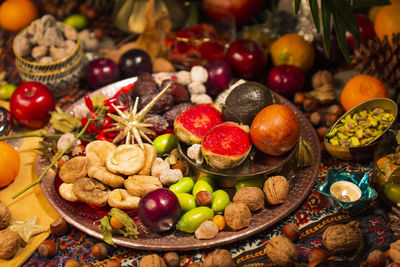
356, 133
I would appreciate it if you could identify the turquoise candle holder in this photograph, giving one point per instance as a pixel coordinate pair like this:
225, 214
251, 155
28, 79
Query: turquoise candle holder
360, 179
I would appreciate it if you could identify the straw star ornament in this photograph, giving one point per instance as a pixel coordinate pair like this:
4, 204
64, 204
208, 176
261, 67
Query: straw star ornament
132, 123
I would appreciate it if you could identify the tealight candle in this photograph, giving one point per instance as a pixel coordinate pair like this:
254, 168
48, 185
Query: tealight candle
345, 191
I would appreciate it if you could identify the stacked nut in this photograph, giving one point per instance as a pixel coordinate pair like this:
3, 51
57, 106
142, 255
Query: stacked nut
319, 104
46, 40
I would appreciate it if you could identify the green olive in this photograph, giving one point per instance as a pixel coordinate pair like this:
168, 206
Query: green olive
219, 201
392, 191
201, 185
186, 201
165, 143
6, 90
184, 185
77, 21
191, 220
256, 182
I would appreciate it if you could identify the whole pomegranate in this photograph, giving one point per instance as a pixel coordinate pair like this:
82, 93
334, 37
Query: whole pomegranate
275, 130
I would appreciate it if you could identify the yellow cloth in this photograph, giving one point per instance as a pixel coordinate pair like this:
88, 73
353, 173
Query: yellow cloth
31, 203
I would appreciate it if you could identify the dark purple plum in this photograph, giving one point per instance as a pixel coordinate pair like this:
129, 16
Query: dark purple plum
102, 71
133, 62
286, 79
219, 76
159, 210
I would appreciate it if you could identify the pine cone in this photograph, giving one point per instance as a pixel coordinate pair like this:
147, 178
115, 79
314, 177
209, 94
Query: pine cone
378, 58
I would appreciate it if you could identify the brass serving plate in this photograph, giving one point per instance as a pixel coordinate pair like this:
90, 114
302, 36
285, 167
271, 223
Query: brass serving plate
365, 152
84, 218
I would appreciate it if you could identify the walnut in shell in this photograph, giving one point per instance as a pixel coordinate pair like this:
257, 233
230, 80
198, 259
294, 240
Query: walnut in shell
341, 238
5, 215
276, 189
237, 216
152, 260
253, 197
394, 251
9, 243
282, 251
220, 258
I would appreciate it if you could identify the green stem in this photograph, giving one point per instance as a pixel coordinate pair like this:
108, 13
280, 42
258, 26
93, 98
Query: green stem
54, 161
17, 136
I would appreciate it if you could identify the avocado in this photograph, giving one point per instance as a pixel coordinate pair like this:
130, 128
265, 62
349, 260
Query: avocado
245, 101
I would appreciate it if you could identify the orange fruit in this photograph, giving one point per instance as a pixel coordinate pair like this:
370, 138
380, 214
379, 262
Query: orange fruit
360, 89
387, 20
17, 14
9, 164
292, 49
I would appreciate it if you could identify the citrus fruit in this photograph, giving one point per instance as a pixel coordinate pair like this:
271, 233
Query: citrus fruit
292, 49
17, 14
387, 21
360, 89
9, 164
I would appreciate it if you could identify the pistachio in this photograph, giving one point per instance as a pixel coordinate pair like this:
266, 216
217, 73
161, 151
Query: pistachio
361, 128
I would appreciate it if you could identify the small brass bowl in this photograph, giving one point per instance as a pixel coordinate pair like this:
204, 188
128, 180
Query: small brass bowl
362, 152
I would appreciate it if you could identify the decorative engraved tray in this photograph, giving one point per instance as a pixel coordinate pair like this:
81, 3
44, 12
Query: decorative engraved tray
85, 218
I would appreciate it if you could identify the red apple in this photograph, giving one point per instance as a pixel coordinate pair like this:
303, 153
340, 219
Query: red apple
246, 59
367, 31
286, 79
31, 103
242, 10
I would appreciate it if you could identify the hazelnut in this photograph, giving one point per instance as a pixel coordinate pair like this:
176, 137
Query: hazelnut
291, 231
276, 189
180, 166
219, 257
376, 259
321, 131
47, 249
316, 118
113, 263
174, 152
237, 215
98, 33
310, 105
341, 238
100, 251
299, 98
281, 251
203, 198
59, 227
330, 119
318, 254
152, 260
253, 197
72, 263
171, 259
335, 109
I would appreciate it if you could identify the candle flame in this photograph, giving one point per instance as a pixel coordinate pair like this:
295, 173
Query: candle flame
344, 193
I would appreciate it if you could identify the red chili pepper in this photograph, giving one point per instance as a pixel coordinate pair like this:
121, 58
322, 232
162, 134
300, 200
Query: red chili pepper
101, 137
93, 129
120, 107
125, 89
89, 103
106, 123
110, 101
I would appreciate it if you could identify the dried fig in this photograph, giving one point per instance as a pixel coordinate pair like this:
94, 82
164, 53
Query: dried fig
74, 169
91, 191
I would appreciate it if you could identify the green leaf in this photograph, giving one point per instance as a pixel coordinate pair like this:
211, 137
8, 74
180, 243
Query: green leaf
296, 6
369, 3
314, 9
326, 26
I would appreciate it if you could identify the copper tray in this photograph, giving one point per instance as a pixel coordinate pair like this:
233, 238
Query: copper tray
84, 218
